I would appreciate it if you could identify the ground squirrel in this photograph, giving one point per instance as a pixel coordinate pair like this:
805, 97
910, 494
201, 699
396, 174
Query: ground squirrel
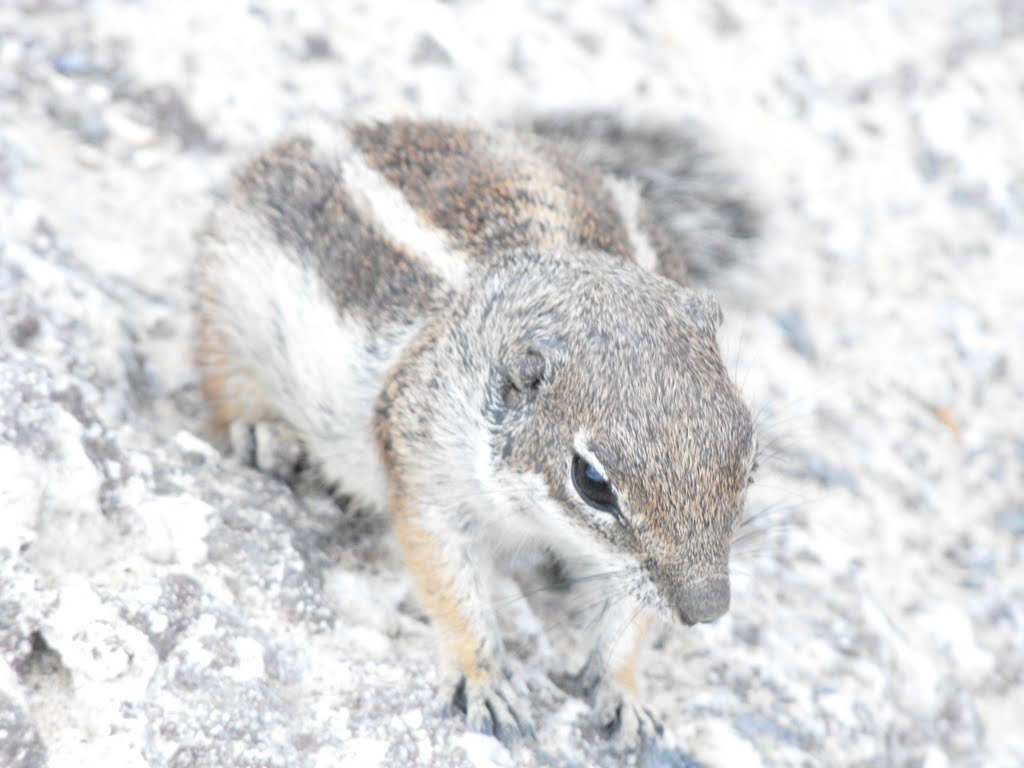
472, 330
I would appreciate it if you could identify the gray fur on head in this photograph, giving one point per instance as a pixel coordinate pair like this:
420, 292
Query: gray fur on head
556, 346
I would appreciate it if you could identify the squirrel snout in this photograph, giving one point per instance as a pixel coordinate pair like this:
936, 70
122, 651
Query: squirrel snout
703, 601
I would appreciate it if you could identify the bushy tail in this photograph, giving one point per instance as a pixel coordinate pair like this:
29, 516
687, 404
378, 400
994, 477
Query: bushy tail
699, 207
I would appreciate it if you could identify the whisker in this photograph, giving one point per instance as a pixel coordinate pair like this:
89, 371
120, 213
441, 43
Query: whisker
741, 543
617, 636
572, 583
606, 600
765, 514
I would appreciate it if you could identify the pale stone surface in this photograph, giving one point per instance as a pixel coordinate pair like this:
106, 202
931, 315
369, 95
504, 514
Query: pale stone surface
162, 606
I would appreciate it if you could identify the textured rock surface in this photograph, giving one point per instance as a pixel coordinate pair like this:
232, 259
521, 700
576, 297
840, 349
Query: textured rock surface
162, 606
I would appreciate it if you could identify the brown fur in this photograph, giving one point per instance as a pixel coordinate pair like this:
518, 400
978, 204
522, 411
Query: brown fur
488, 203
301, 195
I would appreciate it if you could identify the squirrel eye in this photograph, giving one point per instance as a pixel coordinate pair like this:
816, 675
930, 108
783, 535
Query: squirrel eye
593, 487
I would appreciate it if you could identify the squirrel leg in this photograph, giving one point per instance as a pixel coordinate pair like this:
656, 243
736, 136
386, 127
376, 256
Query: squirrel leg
239, 409
447, 586
608, 679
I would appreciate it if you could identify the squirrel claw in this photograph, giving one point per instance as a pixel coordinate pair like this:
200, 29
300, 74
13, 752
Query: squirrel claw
492, 707
618, 715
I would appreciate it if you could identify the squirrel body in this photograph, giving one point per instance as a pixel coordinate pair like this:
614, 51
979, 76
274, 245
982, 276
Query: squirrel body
471, 330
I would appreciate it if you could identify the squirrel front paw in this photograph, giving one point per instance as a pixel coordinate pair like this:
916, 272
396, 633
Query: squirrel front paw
616, 712
619, 715
495, 705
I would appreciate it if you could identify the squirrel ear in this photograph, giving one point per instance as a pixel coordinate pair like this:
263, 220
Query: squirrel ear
705, 311
535, 370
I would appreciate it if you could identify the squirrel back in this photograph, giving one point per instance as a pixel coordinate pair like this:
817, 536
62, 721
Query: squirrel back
431, 201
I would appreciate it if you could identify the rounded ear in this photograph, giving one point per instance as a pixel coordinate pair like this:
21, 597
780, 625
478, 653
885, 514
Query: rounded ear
534, 370
705, 311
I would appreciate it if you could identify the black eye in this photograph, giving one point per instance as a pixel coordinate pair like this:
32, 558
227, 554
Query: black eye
593, 487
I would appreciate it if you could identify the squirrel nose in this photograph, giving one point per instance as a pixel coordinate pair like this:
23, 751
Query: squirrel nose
703, 601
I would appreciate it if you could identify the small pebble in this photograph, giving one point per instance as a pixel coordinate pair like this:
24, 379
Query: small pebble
24, 329
429, 51
1012, 519
791, 323
318, 47
93, 129
72, 63
820, 469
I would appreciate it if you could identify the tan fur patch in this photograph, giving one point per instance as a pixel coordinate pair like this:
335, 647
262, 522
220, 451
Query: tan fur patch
625, 673
212, 360
436, 589
229, 389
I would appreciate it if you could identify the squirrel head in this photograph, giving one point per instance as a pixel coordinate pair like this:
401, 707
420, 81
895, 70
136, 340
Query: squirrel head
609, 420
606, 381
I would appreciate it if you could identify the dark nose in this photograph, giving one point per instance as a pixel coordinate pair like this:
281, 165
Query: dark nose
703, 601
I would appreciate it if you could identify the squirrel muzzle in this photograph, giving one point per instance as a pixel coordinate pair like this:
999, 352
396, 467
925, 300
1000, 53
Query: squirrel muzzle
695, 597
703, 601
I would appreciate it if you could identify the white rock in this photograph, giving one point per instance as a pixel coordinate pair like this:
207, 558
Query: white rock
934, 757
952, 631
23, 219
250, 660
22, 488
175, 529
128, 130
189, 443
413, 718
360, 752
718, 745
484, 751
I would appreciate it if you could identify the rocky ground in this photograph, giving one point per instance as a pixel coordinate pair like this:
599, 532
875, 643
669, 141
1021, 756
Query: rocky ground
161, 605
